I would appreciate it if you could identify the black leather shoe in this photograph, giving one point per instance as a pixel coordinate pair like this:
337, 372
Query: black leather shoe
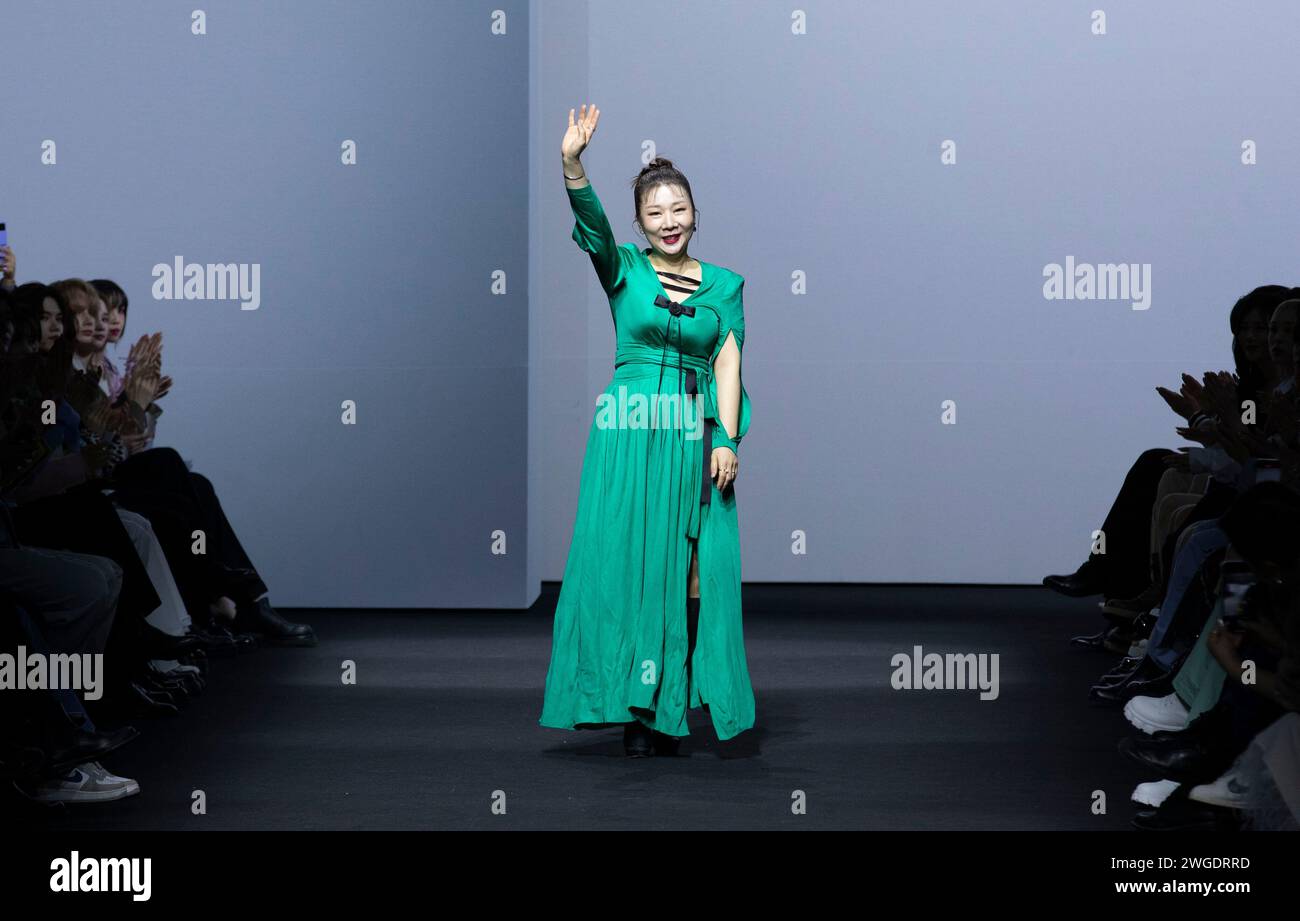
159, 645
216, 641
1145, 672
1121, 672
1160, 686
665, 744
1091, 641
1173, 758
1183, 814
168, 688
1082, 583
199, 659
1124, 691
637, 740
262, 619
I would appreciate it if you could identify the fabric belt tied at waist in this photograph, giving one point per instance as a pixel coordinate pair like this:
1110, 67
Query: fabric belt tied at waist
692, 386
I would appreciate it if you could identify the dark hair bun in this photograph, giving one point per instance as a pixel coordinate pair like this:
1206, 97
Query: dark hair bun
658, 163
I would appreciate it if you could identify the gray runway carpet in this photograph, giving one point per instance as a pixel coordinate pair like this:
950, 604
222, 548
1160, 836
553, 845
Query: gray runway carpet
442, 724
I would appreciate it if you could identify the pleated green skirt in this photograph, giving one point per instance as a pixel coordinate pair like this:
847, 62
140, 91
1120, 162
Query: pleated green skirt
619, 645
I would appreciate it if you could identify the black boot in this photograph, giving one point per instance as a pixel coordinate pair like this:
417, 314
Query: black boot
637, 739
260, 619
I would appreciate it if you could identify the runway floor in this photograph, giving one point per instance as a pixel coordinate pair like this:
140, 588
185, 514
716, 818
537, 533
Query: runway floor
444, 714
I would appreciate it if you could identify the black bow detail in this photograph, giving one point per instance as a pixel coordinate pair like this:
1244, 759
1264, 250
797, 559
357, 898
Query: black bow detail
674, 308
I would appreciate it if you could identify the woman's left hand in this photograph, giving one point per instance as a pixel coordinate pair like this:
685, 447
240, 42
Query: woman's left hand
1224, 645
722, 467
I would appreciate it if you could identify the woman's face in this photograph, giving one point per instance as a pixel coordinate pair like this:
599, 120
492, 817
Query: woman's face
101, 325
116, 323
1281, 333
1252, 336
51, 324
85, 329
668, 219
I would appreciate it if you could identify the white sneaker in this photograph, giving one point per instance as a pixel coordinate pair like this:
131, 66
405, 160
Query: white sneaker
97, 771
1154, 793
1154, 714
77, 787
1227, 791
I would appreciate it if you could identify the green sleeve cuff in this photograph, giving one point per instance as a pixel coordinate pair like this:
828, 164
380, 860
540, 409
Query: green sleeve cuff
720, 440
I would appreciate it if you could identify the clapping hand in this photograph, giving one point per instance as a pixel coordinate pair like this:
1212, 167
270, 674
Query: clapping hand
1207, 436
1219, 394
1180, 403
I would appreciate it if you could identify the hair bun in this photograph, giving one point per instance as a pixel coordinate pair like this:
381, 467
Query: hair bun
658, 163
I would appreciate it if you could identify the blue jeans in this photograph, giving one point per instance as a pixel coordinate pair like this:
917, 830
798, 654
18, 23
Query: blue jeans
1205, 539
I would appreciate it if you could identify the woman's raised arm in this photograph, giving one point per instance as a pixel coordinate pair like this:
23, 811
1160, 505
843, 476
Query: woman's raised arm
591, 230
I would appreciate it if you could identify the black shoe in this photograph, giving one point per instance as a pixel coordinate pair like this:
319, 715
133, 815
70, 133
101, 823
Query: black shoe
217, 645
82, 746
167, 688
1145, 671
140, 702
1159, 686
199, 659
262, 619
1178, 813
1177, 759
1127, 666
1091, 641
159, 645
665, 744
1083, 582
637, 740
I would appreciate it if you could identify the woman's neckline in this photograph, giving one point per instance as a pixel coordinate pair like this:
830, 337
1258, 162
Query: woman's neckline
645, 254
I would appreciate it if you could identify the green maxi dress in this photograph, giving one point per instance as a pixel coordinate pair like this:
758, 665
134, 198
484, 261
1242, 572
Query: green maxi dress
620, 642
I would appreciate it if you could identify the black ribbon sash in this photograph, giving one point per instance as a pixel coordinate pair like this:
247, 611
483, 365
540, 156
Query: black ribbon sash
691, 389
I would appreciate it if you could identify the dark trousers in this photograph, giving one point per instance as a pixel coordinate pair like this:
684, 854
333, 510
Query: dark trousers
1126, 566
157, 484
84, 520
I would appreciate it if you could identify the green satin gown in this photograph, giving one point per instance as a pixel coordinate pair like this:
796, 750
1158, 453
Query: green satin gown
620, 643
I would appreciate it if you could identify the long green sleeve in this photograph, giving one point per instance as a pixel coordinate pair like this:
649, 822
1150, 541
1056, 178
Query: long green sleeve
592, 233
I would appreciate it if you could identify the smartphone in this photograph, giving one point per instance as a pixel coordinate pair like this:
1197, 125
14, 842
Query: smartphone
4, 237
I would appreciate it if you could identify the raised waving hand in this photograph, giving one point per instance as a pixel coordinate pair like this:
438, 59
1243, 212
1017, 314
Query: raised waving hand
579, 133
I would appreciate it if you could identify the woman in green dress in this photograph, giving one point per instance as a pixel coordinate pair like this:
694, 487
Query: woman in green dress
648, 622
